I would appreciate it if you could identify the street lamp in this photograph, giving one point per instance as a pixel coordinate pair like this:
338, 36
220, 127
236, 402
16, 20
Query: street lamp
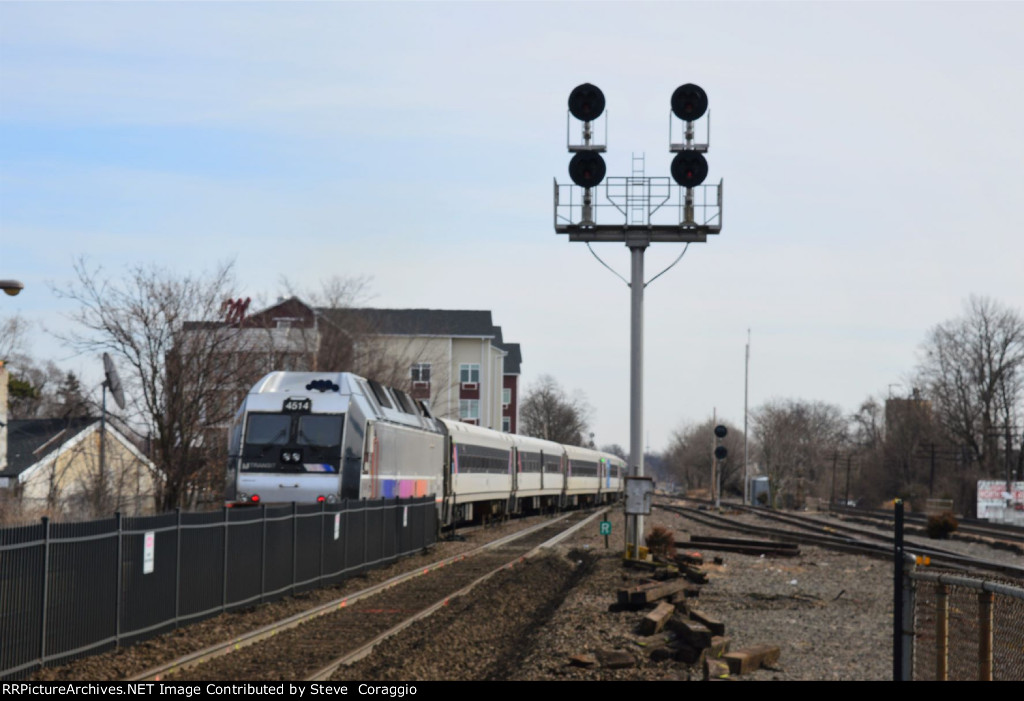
11, 287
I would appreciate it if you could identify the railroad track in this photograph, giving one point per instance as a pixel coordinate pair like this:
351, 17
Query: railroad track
314, 644
836, 536
998, 535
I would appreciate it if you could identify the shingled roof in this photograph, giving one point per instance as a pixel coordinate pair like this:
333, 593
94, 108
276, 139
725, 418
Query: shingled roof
415, 322
513, 358
31, 440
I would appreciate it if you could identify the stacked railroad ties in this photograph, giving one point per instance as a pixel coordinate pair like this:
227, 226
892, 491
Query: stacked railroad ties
669, 587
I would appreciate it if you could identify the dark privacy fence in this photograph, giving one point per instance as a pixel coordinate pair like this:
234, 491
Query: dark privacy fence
70, 589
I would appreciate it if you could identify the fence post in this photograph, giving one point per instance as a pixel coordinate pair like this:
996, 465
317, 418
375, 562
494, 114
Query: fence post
897, 596
263, 554
941, 632
344, 536
46, 588
224, 568
177, 568
985, 609
295, 544
909, 608
323, 525
118, 581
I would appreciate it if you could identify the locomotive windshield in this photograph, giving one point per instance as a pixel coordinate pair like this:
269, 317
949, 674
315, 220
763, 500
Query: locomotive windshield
268, 429
320, 430
292, 442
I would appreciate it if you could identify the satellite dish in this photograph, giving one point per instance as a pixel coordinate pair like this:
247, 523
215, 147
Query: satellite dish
112, 380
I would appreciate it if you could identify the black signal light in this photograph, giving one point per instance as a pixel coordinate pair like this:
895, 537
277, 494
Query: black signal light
720, 451
586, 102
689, 168
689, 102
587, 169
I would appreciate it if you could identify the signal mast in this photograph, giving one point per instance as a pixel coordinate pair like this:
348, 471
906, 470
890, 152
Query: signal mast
638, 211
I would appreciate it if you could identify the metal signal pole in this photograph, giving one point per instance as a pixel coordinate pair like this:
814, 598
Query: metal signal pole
635, 526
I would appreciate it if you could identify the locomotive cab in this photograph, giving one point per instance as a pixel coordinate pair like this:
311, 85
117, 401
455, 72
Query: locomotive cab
291, 441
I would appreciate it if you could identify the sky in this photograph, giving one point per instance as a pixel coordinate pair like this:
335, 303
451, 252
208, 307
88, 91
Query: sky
871, 153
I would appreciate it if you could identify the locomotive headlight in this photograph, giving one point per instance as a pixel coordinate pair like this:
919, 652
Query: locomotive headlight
332, 498
242, 496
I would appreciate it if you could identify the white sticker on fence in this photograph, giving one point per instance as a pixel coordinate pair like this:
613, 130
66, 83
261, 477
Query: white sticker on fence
337, 525
405, 517
148, 551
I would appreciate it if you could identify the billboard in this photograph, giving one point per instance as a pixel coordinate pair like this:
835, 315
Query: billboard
994, 500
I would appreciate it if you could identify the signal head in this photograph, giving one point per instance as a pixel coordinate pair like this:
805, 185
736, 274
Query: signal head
689, 168
586, 102
587, 169
721, 431
721, 453
689, 102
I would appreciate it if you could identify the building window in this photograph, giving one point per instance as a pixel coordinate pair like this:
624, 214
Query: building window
420, 372
469, 373
506, 424
469, 409
506, 396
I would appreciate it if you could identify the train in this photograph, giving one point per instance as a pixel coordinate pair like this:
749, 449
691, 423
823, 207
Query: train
312, 437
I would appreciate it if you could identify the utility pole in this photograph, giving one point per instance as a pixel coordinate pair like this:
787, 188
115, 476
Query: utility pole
623, 211
846, 499
835, 458
714, 463
746, 459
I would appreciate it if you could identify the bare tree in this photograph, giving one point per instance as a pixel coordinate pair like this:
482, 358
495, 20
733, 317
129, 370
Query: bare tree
327, 342
12, 337
354, 339
548, 412
342, 337
973, 373
616, 450
335, 292
176, 383
689, 456
798, 440
875, 481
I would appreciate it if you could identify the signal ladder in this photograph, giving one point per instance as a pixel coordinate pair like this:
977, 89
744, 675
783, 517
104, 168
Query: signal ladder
637, 196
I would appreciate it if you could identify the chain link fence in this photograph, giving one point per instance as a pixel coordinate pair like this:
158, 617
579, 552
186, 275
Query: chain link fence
967, 629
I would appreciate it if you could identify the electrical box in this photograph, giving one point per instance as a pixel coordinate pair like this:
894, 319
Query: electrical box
639, 492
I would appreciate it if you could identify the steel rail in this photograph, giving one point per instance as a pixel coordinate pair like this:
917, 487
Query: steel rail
838, 541
326, 672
